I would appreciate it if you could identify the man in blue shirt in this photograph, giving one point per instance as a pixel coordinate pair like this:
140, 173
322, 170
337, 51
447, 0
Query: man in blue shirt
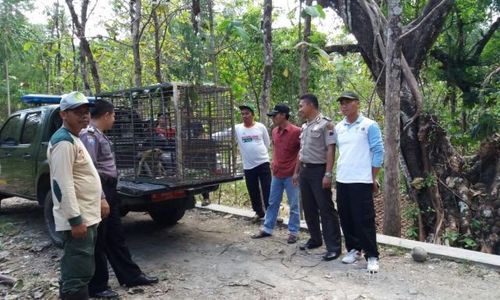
361, 154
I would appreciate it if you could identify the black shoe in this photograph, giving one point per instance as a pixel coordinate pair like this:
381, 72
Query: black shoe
310, 245
142, 279
261, 234
330, 255
106, 294
292, 239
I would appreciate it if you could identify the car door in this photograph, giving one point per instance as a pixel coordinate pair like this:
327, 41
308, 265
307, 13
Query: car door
18, 158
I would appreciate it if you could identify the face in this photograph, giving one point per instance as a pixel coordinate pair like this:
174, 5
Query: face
76, 119
349, 107
109, 119
305, 109
278, 119
247, 116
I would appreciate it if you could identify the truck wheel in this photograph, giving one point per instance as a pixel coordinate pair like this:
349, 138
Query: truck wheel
165, 214
49, 220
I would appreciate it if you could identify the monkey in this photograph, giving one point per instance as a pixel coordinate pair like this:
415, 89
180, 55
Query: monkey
151, 163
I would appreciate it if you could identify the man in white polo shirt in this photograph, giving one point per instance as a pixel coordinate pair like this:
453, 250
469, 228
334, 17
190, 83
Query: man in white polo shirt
253, 141
361, 154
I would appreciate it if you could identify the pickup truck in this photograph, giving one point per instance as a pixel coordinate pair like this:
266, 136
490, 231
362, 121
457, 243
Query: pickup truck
158, 174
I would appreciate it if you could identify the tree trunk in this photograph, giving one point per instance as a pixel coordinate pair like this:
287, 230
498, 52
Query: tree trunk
135, 21
268, 61
304, 54
195, 15
7, 82
213, 56
85, 50
392, 216
85, 75
156, 26
75, 59
59, 27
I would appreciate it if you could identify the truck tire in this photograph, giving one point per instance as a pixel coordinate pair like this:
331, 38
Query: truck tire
168, 213
49, 220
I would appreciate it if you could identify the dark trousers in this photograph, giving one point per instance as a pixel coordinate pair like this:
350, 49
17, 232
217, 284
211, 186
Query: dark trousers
317, 202
77, 262
111, 246
260, 174
357, 217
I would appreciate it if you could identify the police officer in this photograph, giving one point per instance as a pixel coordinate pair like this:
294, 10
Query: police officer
313, 172
110, 244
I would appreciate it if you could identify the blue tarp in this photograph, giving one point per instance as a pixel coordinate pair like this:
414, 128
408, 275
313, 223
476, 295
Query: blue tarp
45, 99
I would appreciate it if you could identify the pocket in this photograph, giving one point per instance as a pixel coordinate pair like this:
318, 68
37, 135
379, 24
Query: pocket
315, 133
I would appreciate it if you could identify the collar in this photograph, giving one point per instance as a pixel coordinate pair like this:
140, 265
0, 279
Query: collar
358, 120
316, 120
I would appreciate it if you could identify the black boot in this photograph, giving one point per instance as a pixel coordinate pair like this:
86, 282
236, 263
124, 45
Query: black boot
82, 294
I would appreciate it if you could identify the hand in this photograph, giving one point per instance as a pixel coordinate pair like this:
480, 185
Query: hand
79, 231
295, 179
376, 187
104, 208
327, 182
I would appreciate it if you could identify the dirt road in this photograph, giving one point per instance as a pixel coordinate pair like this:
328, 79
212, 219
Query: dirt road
211, 256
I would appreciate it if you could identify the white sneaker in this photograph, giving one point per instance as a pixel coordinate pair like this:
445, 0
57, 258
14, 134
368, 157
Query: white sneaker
372, 266
351, 257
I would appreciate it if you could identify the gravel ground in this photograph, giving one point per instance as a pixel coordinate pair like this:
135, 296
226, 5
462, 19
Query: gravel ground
211, 256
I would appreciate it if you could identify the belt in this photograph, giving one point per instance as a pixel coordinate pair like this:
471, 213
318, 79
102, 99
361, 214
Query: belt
107, 179
308, 165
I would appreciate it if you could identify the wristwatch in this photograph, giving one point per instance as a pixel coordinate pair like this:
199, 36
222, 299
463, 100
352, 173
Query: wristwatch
328, 174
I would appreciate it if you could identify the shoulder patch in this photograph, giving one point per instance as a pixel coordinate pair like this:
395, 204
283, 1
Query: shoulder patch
62, 134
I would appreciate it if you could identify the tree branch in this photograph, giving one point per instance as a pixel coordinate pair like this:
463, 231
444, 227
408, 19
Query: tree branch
342, 49
479, 46
421, 21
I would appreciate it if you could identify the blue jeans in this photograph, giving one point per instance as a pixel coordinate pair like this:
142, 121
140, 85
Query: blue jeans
276, 194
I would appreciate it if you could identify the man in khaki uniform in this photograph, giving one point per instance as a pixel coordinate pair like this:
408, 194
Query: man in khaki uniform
316, 156
76, 194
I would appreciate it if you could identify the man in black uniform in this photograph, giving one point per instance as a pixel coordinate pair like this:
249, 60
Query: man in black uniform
110, 244
314, 172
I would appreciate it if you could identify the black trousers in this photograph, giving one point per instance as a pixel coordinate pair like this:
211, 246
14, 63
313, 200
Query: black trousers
260, 174
357, 217
110, 246
317, 202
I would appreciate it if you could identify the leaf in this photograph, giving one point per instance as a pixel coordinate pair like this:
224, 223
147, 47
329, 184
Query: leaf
321, 11
418, 183
27, 46
314, 11
285, 73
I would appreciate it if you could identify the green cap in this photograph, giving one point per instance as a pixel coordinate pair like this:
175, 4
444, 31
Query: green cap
348, 95
249, 106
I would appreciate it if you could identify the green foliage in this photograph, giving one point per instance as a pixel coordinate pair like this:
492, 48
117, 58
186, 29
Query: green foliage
314, 11
410, 214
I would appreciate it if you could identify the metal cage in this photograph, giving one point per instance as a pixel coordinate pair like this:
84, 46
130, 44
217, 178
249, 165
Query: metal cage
174, 134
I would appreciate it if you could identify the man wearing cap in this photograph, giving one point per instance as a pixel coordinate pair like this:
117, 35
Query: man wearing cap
76, 194
253, 141
286, 145
361, 154
316, 155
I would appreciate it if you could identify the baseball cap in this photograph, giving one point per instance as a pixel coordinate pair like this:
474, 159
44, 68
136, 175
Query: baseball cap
279, 108
348, 95
73, 100
249, 106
